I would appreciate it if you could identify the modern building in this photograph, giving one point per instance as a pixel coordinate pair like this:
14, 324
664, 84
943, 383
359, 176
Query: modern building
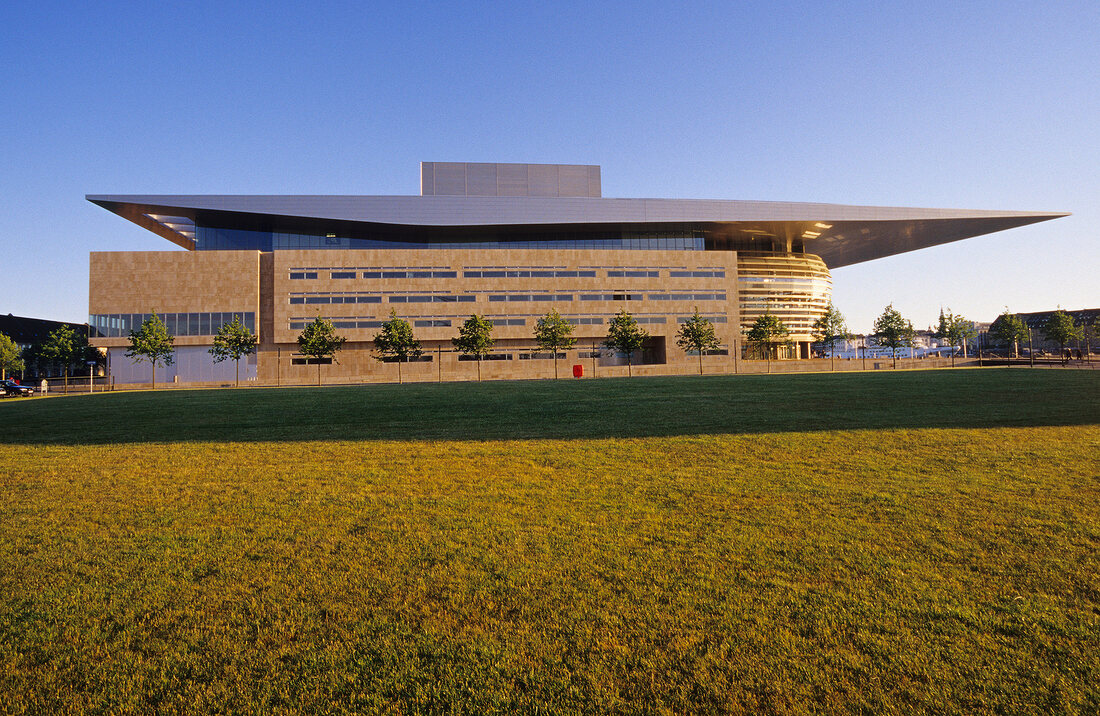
506, 241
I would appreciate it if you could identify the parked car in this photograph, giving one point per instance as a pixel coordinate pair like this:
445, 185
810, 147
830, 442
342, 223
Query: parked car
9, 388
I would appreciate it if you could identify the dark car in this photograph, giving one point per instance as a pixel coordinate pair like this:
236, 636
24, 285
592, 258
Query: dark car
9, 388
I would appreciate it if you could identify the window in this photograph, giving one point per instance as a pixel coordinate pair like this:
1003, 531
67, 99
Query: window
712, 273
303, 274
343, 274
712, 319
540, 356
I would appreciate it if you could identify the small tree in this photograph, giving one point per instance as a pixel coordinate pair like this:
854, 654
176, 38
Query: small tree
1061, 328
11, 358
60, 347
151, 342
553, 333
697, 334
830, 328
893, 332
1009, 328
956, 330
319, 340
233, 341
475, 338
767, 332
395, 342
625, 336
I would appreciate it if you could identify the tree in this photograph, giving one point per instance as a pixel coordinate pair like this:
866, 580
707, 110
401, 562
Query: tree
956, 330
1009, 328
830, 328
553, 333
697, 334
11, 358
1061, 328
319, 340
233, 341
625, 336
395, 342
475, 338
151, 342
767, 331
893, 332
60, 347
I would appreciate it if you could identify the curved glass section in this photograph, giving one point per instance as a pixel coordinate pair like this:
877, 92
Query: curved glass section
795, 287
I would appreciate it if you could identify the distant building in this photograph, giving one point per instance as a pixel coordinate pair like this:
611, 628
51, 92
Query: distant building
31, 332
1087, 318
506, 241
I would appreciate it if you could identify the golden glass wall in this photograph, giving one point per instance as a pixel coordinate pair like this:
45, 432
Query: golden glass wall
795, 287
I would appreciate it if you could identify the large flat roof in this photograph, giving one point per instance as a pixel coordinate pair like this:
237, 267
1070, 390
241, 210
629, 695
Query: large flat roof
840, 234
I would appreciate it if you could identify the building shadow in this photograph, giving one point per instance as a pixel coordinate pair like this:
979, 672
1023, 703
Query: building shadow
566, 409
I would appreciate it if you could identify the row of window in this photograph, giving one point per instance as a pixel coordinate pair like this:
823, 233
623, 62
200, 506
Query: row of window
214, 238
298, 324
512, 273
653, 297
420, 273
119, 325
529, 273
316, 299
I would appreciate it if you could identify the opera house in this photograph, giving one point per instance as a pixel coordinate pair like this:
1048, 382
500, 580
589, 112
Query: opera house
506, 241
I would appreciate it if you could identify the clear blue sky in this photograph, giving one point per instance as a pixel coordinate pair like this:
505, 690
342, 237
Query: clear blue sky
984, 105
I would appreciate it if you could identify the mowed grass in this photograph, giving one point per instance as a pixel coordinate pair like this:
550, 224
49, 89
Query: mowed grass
910, 542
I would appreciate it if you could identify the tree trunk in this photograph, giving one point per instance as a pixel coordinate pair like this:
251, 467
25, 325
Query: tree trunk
629, 365
700, 361
237, 380
555, 364
154, 365
479, 369
318, 372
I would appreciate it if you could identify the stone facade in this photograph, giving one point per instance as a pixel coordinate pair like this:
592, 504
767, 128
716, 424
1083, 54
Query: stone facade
435, 290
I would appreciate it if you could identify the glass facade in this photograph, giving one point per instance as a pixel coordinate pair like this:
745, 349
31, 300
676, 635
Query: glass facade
210, 238
795, 287
119, 325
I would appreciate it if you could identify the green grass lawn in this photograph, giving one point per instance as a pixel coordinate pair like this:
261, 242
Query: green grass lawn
889, 542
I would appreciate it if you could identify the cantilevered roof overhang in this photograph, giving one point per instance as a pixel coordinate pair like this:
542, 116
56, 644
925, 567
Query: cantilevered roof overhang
840, 234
